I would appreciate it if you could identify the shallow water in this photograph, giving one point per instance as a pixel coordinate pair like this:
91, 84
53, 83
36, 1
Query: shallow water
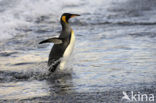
114, 51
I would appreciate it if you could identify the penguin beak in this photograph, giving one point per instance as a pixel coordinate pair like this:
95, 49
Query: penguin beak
74, 15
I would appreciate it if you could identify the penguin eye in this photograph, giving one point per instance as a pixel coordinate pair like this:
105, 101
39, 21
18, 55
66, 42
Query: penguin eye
68, 17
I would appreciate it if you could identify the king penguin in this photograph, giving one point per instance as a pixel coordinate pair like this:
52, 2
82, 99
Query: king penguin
63, 45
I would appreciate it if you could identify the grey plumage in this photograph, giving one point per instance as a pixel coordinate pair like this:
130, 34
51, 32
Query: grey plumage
57, 50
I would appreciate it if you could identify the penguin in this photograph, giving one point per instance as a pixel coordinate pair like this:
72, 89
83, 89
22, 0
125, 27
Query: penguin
63, 45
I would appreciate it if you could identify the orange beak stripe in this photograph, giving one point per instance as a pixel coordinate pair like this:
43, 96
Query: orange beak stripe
73, 15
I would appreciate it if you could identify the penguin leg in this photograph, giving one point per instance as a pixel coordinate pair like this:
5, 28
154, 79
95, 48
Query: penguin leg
53, 64
52, 40
53, 68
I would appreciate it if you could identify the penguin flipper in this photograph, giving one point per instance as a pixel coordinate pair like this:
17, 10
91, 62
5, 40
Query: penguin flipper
52, 40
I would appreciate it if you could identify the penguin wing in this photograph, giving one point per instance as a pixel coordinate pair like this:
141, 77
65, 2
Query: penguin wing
52, 40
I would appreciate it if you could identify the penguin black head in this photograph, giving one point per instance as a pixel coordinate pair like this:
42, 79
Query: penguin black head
66, 16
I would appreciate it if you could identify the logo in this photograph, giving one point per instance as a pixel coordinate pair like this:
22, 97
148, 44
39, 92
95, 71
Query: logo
137, 97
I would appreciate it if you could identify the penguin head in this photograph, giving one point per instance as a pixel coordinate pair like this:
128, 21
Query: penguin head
66, 16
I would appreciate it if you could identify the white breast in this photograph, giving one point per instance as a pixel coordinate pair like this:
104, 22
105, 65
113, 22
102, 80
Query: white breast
68, 51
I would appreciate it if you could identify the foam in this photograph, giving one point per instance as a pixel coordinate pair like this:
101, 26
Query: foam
17, 14
23, 13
